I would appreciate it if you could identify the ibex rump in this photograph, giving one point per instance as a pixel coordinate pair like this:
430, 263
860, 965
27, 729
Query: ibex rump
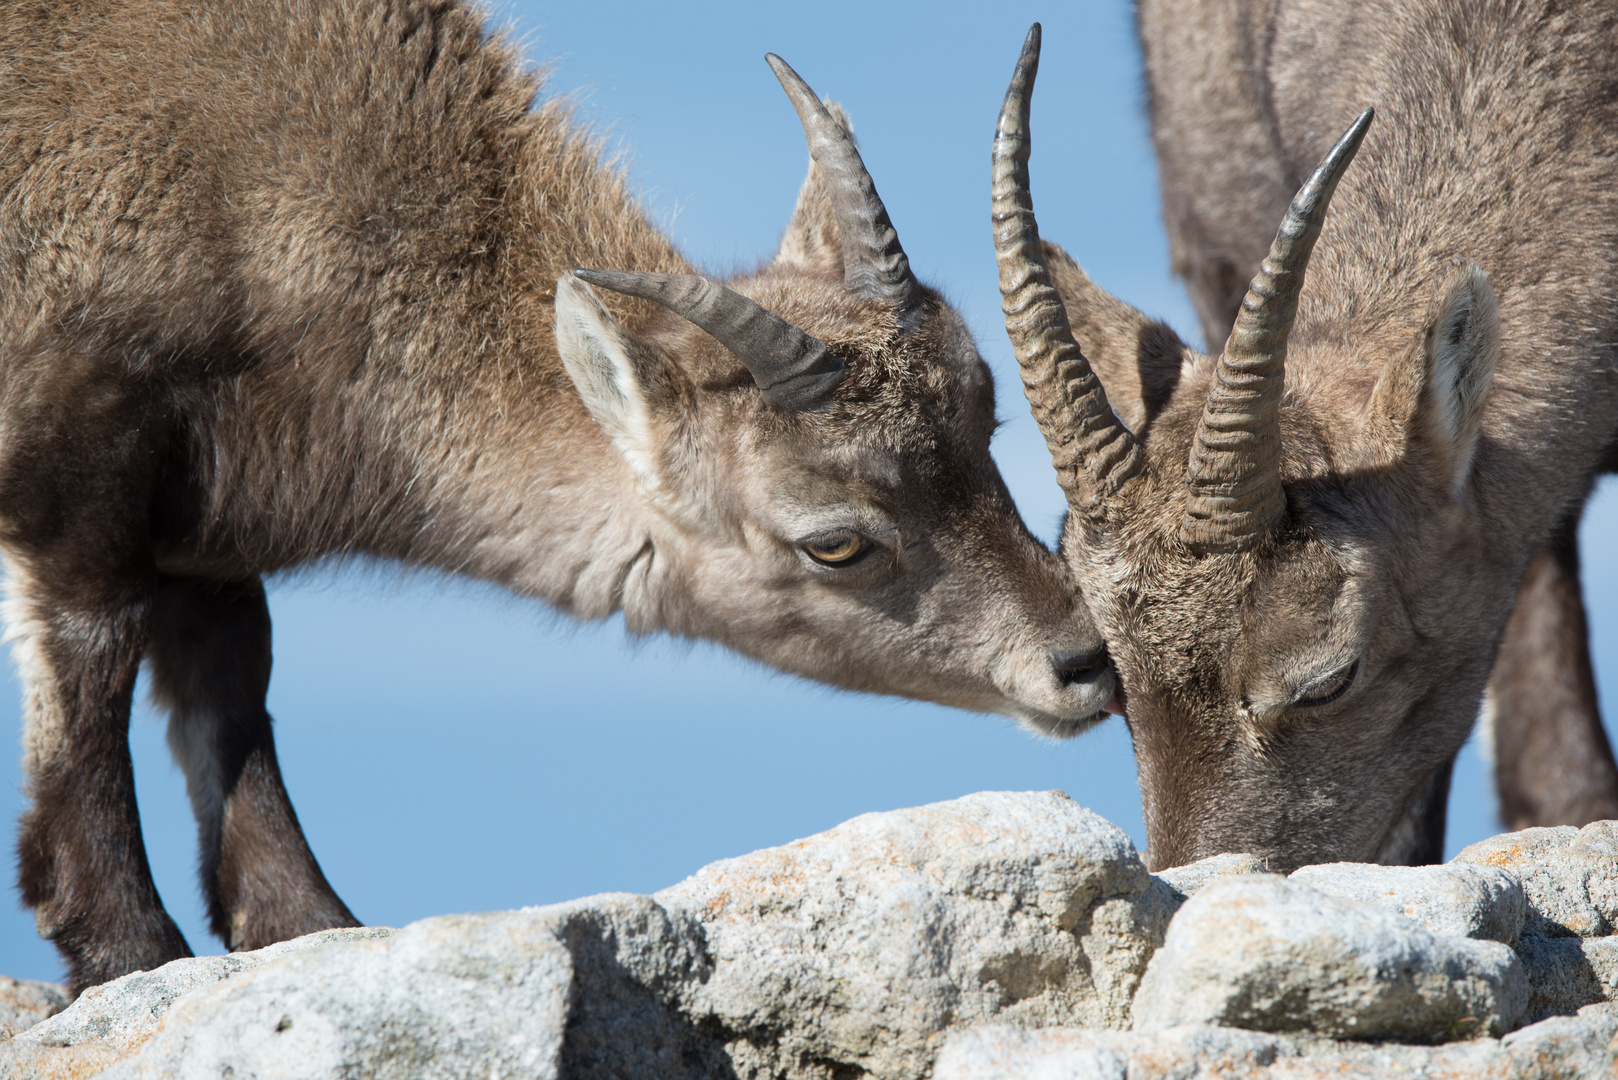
289, 281
1302, 556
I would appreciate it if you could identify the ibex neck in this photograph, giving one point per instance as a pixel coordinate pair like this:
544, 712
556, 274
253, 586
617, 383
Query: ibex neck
428, 419
534, 495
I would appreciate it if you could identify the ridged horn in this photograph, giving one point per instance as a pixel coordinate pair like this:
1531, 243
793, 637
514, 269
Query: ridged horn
874, 262
1235, 465
795, 370
1093, 451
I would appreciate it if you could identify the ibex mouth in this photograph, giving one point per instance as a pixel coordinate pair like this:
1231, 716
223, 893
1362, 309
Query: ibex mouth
1061, 727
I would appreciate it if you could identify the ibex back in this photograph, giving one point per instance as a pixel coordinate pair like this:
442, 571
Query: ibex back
282, 282
1303, 550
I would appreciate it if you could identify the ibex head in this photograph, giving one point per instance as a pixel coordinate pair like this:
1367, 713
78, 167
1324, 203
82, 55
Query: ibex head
1289, 572
812, 442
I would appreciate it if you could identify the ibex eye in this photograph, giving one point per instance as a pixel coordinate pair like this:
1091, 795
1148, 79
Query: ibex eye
1328, 689
839, 548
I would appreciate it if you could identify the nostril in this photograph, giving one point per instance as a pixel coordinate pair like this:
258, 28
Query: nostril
1081, 667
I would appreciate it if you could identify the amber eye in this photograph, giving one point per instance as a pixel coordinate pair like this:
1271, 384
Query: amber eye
838, 548
1328, 689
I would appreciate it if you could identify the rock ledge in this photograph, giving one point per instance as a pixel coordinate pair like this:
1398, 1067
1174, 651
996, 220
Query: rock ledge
998, 935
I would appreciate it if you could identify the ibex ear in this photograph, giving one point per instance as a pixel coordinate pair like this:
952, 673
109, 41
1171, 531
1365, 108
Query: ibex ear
1138, 359
624, 384
812, 241
1437, 391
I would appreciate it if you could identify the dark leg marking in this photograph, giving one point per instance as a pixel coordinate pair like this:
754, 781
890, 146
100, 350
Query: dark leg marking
210, 656
81, 860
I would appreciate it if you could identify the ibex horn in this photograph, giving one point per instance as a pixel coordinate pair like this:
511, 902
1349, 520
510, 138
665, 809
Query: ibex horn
874, 263
1235, 466
1094, 453
794, 369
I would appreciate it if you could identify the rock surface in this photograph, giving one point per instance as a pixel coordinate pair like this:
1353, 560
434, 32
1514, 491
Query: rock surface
24, 1003
1185, 881
1269, 954
1564, 1047
114, 1020
892, 927
1467, 900
849, 953
1570, 876
1003, 934
423, 1002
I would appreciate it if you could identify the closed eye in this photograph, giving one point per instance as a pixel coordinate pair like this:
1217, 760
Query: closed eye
1326, 690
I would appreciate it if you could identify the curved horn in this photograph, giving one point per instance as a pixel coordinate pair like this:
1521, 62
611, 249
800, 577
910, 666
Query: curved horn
1235, 466
794, 369
1093, 451
874, 264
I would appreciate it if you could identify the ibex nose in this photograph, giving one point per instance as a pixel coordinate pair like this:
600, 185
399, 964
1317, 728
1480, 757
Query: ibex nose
1080, 667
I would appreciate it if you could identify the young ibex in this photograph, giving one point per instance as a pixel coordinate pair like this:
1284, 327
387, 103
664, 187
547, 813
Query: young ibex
1226, 178
285, 281
1303, 552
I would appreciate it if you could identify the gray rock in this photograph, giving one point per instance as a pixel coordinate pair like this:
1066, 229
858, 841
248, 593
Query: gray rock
1268, 954
1567, 974
24, 1003
859, 947
1463, 899
1186, 880
1570, 876
850, 952
866, 950
1566, 1047
1002, 1052
114, 1020
436, 999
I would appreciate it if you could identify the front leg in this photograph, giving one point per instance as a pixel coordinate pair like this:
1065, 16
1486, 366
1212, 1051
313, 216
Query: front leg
1553, 762
77, 641
210, 656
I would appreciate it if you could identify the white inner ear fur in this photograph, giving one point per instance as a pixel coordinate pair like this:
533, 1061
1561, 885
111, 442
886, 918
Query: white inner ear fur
598, 358
1462, 350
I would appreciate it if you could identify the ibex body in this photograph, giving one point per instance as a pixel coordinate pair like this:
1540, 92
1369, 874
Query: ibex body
1304, 550
292, 281
1229, 158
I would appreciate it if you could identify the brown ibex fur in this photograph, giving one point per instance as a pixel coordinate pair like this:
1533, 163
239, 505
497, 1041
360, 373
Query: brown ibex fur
1226, 178
1300, 666
288, 280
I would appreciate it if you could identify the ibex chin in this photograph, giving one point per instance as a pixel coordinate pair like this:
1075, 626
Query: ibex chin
285, 281
1226, 177
1302, 551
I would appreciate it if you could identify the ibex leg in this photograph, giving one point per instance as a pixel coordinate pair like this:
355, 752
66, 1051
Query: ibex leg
1553, 762
81, 861
210, 656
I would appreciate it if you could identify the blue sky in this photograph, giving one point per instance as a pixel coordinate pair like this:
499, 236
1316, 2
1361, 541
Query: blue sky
450, 748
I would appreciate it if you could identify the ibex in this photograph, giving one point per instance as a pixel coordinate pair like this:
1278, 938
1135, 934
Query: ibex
1302, 552
292, 281
1226, 178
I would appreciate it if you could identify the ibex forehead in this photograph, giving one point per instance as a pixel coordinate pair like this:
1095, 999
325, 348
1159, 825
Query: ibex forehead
850, 323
